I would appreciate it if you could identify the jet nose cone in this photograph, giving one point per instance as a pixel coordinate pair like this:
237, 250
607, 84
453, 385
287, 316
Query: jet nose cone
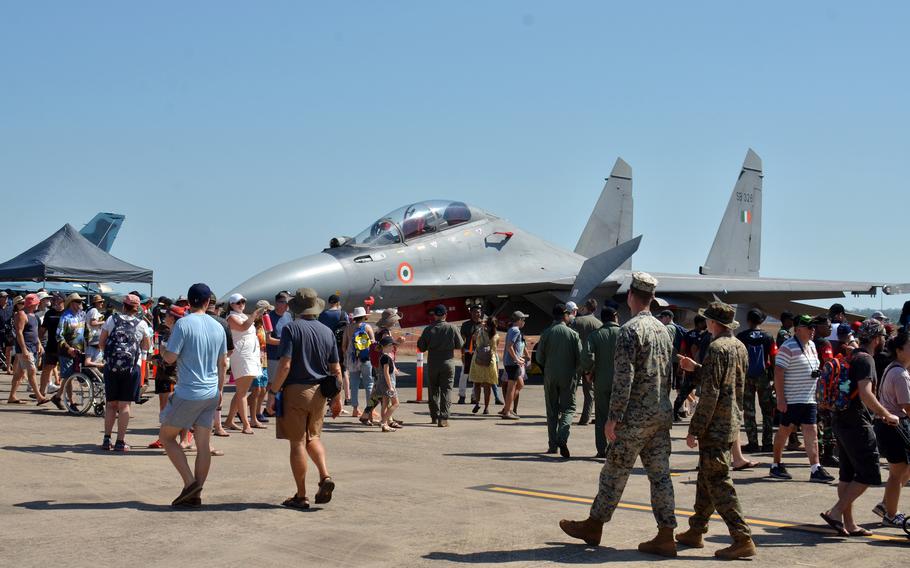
321, 272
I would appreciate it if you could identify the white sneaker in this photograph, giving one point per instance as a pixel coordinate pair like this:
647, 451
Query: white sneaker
52, 388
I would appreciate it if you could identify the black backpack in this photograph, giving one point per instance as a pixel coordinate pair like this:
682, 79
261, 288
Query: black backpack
121, 350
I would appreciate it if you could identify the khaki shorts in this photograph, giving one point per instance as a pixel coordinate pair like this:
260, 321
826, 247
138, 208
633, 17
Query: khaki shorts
26, 362
303, 409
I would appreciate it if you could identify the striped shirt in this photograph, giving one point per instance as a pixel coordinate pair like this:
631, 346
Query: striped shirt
798, 362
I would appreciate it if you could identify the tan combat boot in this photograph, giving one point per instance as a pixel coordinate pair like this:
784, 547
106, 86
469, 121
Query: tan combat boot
691, 538
588, 530
742, 547
661, 545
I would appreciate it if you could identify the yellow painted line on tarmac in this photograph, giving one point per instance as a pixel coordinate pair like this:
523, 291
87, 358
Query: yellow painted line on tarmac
787, 525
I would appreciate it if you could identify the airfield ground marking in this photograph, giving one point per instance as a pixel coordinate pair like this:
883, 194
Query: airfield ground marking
786, 525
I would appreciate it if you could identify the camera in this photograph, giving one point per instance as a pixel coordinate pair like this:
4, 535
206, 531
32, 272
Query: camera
816, 374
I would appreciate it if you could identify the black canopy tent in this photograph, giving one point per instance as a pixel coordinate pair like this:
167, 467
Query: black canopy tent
67, 256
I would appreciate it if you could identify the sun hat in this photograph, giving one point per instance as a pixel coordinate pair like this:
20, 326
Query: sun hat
306, 302
359, 312
721, 313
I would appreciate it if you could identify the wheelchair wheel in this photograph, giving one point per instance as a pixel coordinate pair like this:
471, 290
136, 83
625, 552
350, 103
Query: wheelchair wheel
78, 394
907, 526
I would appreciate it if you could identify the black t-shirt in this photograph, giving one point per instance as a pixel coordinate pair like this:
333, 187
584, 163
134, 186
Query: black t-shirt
227, 331
386, 361
50, 323
862, 367
311, 347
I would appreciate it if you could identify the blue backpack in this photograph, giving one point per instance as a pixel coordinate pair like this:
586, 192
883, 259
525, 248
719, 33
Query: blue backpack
757, 360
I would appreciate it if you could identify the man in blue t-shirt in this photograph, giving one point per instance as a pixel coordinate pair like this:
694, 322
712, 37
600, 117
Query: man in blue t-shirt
279, 317
199, 347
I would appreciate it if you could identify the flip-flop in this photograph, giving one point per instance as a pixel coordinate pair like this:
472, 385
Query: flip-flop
17, 401
246, 431
222, 434
747, 465
834, 524
860, 532
217, 453
260, 427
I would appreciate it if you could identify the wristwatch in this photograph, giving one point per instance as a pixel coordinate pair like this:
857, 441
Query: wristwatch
273, 393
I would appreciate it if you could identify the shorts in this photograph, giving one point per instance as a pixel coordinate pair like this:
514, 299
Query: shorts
184, 414
272, 369
890, 443
122, 387
164, 384
262, 380
513, 372
67, 366
26, 362
858, 453
797, 414
302, 413
92, 353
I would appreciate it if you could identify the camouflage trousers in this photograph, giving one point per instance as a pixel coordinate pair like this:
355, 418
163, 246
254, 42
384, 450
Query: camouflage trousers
714, 490
559, 398
652, 444
761, 387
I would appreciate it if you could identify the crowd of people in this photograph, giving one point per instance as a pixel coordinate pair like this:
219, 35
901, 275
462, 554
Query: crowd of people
844, 386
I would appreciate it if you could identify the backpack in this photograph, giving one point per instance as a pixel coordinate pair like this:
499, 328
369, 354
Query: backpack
361, 341
757, 360
339, 333
121, 350
376, 349
833, 388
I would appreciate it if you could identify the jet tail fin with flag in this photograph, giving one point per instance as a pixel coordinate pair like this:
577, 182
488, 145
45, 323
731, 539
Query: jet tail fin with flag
610, 223
737, 246
598, 267
102, 230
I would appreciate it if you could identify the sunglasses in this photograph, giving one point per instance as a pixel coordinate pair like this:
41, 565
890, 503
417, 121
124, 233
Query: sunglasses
241, 302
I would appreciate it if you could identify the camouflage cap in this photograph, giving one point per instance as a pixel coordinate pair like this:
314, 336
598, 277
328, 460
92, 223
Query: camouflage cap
870, 329
643, 282
721, 313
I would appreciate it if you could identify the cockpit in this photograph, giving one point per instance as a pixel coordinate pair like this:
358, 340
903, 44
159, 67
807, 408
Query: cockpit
416, 220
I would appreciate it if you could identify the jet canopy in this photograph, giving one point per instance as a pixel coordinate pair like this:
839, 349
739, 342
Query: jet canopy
417, 219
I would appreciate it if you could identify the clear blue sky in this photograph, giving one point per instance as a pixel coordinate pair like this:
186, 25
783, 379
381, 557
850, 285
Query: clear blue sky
238, 135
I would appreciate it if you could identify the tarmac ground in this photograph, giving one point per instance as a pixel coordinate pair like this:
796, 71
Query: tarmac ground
480, 492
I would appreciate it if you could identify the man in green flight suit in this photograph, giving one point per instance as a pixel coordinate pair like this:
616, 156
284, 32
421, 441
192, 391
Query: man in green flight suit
639, 423
559, 352
714, 427
439, 341
586, 324
598, 361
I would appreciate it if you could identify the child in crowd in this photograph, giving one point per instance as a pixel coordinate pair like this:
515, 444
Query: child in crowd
387, 372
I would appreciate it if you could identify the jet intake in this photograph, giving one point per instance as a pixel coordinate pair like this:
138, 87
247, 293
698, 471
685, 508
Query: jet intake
416, 314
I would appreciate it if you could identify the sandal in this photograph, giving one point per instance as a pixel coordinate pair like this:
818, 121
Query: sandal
15, 401
860, 532
387, 428
250, 431
217, 453
120, 446
156, 445
260, 426
222, 434
747, 465
296, 502
324, 495
834, 524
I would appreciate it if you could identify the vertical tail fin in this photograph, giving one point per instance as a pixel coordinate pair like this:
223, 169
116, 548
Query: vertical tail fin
737, 246
610, 223
102, 230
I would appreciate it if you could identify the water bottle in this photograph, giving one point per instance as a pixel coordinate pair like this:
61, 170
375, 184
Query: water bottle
267, 323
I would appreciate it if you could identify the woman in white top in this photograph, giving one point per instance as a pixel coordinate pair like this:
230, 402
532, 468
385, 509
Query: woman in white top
245, 360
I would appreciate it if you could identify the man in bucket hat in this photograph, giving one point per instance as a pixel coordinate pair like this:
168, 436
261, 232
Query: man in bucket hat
309, 361
713, 429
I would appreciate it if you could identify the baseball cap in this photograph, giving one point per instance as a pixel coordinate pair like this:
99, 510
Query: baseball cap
235, 297
32, 300
439, 310
519, 315
43, 295
805, 321
282, 297
131, 300
844, 330
475, 308
199, 294
334, 299
571, 306
3, 294
177, 311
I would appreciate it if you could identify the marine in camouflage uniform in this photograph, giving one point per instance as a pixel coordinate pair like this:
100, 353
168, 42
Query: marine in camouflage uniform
640, 405
715, 426
559, 352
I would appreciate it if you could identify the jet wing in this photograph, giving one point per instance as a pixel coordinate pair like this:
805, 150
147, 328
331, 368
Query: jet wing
757, 290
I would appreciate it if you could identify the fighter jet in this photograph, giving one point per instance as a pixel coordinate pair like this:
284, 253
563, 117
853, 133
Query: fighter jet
449, 252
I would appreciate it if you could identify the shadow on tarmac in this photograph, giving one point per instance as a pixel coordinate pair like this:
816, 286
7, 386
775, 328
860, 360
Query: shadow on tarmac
80, 449
557, 552
140, 506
